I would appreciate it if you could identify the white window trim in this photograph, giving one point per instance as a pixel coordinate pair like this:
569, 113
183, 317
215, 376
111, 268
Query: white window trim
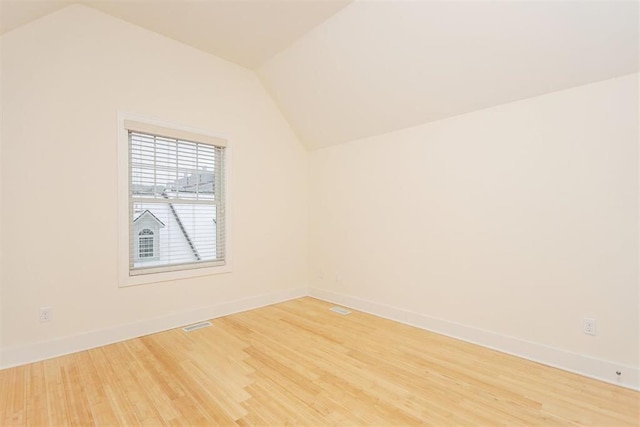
124, 278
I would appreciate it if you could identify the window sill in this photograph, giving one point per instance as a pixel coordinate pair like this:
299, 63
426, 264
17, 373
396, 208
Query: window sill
126, 280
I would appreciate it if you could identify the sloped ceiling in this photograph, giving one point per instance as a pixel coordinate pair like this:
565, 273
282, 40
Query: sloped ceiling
15, 13
343, 70
376, 67
247, 32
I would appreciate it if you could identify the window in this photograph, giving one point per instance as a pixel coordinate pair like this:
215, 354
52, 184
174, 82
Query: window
146, 244
146, 231
175, 201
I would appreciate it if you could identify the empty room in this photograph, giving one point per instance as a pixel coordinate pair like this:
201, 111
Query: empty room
319, 212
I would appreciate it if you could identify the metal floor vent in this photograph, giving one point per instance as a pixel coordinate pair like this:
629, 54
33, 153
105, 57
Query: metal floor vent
340, 310
197, 326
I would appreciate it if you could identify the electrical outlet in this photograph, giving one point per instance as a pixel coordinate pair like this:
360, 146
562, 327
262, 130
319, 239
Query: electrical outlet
46, 314
589, 326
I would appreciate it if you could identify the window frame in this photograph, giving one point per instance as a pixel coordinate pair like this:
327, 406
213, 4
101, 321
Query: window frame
125, 278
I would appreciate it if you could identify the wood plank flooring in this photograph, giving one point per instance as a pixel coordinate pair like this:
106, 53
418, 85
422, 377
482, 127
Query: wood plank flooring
297, 363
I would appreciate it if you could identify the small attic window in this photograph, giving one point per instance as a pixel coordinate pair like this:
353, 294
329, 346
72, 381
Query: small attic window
146, 244
146, 239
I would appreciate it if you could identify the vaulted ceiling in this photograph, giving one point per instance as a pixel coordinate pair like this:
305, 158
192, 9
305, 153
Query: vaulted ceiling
247, 32
342, 70
375, 67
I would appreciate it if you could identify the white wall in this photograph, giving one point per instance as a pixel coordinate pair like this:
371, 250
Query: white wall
514, 221
1, 275
64, 78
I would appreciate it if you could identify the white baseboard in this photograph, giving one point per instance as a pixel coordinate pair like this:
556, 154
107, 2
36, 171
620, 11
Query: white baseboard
20, 355
602, 370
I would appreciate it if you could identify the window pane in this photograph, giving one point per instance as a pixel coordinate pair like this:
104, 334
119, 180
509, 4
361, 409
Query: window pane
174, 186
186, 232
165, 168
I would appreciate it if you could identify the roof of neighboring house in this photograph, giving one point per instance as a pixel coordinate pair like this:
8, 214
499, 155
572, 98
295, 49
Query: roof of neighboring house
152, 215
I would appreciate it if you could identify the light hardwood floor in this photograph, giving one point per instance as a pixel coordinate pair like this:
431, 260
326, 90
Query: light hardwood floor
297, 363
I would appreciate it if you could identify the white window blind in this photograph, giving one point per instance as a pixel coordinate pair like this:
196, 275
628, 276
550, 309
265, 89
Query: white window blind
176, 187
